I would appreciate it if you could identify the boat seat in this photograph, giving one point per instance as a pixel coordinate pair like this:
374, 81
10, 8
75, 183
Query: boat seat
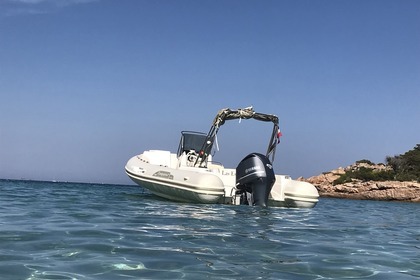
158, 157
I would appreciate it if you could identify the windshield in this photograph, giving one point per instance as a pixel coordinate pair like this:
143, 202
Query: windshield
191, 140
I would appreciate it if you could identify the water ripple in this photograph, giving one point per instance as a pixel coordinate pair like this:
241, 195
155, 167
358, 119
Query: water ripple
80, 231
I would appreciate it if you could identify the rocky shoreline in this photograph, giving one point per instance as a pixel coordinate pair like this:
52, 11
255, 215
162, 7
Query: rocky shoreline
371, 190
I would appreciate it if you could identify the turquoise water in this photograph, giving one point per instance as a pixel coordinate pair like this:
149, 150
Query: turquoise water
87, 231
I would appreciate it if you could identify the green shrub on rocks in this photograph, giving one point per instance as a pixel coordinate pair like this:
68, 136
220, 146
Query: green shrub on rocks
365, 161
405, 167
365, 174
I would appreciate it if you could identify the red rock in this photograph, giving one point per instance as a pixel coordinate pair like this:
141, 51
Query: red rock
374, 190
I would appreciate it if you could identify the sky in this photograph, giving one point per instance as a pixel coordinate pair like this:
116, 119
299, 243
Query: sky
87, 84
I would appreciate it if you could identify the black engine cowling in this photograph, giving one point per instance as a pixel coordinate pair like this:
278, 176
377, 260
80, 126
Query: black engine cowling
254, 179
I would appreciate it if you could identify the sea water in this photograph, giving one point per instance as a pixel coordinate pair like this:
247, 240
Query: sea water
90, 231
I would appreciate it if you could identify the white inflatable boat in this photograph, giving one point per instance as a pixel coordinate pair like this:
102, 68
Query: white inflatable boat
191, 175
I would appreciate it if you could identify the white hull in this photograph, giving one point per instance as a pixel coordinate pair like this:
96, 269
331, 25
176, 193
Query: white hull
170, 177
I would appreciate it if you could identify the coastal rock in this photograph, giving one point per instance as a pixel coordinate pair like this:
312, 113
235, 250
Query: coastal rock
357, 189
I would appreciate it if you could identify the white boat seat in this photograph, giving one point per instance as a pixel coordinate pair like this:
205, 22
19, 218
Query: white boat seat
157, 157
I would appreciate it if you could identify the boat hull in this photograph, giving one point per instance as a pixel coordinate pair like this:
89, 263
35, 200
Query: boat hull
176, 184
177, 192
208, 186
293, 194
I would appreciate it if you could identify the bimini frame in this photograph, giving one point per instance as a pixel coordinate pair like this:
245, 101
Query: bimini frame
246, 113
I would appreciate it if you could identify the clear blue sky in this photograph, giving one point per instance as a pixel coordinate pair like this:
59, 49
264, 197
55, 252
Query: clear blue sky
85, 85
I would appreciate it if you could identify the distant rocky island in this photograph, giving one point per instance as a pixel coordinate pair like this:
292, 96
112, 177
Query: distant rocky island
397, 180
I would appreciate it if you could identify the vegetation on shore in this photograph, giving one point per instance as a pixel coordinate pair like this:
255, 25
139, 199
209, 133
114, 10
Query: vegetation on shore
404, 167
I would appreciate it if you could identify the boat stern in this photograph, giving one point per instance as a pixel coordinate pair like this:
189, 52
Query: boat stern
292, 193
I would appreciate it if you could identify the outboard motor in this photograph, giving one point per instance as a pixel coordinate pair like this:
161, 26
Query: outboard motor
254, 179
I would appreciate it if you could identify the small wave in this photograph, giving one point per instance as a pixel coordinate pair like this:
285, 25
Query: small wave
123, 266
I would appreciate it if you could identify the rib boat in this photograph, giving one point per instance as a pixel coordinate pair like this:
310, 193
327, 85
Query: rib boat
191, 176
